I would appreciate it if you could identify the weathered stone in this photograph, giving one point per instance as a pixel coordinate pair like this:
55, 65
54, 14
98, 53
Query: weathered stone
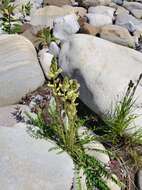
59, 3
129, 22
54, 49
104, 10
7, 114
121, 10
104, 70
30, 36
135, 8
79, 11
118, 2
99, 19
45, 60
139, 180
117, 34
65, 26
20, 72
89, 3
26, 163
89, 29
45, 17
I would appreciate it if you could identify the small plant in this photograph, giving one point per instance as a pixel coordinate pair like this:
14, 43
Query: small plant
59, 122
116, 130
26, 9
45, 37
9, 22
122, 118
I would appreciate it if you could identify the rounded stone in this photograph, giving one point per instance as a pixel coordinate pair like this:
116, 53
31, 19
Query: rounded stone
26, 163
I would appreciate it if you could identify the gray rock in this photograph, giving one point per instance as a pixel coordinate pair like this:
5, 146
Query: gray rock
117, 34
135, 8
104, 10
80, 11
45, 60
54, 49
7, 116
26, 163
45, 17
20, 72
129, 22
121, 10
56, 2
89, 3
118, 2
139, 180
99, 19
65, 26
103, 70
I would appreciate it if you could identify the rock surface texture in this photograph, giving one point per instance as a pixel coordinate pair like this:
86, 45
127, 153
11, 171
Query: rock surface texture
20, 72
104, 71
7, 114
89, 3
139, 180
26, 163
45, 17
118, 35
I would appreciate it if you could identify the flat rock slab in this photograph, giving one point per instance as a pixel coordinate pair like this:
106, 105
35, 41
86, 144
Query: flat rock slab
26, 163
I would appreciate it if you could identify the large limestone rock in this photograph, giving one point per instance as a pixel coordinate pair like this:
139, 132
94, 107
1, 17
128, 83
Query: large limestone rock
103, 69
20, 72
117, 34
27, 164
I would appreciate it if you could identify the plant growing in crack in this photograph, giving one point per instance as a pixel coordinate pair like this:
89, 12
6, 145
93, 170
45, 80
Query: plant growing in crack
58, 121
45, 37
126, 146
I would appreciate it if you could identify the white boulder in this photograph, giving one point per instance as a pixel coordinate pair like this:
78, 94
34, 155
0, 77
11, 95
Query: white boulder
54, 49
104, 70
44, 17
99, 20
65, 26
26, 163
20, 72
45, 60
109, 11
